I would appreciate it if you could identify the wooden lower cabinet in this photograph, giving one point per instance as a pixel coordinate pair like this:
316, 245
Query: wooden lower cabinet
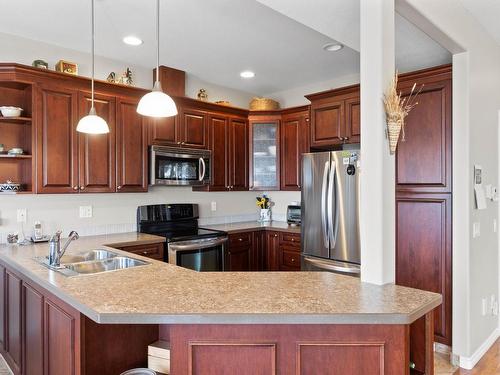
13, 323
272, 251
424, 252
33, 330
153, 251
239, 252
46, 336
289, 349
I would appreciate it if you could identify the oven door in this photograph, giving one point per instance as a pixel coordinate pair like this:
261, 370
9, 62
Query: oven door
171, 166
203, 255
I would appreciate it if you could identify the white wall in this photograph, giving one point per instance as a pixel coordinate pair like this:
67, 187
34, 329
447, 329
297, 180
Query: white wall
116, 212
476, 101
24, 51
295, 97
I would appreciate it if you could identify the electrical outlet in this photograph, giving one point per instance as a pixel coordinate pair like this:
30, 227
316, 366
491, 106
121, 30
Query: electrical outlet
85, 212
476, 230
484, 306
21, 215
214, 206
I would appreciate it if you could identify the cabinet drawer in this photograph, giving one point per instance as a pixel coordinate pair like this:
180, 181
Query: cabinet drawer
240, 239
154, 251
292, 239
290, 260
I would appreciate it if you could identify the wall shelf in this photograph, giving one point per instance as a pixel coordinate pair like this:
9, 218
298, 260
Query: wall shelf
6, 156
17, 120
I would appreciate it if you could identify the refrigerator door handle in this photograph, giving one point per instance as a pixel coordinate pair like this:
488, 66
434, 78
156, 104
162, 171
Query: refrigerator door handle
333, 266
324, 191
333, 206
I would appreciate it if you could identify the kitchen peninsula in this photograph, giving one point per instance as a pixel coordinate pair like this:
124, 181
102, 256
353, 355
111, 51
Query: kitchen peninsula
217, 323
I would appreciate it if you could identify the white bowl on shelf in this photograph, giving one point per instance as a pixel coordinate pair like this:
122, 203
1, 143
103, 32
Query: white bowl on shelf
8, 111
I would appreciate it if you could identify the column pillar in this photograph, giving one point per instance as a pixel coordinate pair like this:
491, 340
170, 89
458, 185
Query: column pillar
377, 206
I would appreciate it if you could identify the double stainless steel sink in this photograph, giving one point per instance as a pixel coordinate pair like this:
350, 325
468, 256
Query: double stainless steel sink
93, 261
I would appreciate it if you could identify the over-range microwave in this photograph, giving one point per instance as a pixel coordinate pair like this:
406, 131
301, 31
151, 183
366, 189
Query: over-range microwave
179, 166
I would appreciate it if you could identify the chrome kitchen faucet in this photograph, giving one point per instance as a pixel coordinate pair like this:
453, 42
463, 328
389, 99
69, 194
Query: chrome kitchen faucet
55, 250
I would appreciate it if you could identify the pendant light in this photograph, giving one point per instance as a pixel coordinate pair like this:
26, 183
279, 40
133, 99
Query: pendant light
92, 123
156, 103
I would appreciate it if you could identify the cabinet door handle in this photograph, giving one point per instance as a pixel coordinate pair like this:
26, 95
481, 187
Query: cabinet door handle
75, 187
240, 239
183, 143
82, 187
178, 143
275, 235
119, 187
346, 138
145, 253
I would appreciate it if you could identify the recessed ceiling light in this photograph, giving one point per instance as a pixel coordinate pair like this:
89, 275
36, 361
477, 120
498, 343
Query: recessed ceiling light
247, 74
332, 47
132, 40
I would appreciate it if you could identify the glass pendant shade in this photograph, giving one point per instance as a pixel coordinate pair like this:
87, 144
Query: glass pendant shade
156, 103
92, 124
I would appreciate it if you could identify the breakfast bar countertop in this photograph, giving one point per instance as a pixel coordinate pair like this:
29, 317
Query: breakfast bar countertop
160, 293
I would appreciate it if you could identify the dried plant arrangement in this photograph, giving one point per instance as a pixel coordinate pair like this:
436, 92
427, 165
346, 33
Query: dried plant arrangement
396, 110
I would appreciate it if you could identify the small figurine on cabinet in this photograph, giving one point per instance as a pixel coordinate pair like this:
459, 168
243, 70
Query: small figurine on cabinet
125, 79
67, 67
40, 64
202, 95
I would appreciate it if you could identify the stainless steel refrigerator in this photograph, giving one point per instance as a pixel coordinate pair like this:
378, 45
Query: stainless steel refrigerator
330, 212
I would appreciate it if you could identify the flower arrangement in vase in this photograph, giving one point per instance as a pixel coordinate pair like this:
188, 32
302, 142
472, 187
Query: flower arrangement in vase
265, 204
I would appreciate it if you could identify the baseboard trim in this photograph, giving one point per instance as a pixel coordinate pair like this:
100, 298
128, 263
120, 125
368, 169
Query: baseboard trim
468, 363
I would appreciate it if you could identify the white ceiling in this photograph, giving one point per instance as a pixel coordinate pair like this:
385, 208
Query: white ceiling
216, 39
487, 13
340, 20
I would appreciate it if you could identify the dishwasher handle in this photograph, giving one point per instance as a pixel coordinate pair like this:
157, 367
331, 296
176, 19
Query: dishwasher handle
196, 245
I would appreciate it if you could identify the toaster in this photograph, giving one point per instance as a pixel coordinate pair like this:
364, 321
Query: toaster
293, 215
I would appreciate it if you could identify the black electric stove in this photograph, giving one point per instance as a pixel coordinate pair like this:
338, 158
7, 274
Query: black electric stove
187, 244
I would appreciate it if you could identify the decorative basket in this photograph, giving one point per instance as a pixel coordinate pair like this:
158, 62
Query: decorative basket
393, 132
263, 104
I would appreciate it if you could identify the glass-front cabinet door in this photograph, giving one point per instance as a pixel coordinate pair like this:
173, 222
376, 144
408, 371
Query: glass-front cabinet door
264, 153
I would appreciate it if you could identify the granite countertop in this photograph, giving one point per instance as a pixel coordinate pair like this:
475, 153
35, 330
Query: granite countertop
278, 226
160, 293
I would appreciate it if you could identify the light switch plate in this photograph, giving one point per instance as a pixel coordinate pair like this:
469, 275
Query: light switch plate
21, 215
85, 212
213, 206
476, 230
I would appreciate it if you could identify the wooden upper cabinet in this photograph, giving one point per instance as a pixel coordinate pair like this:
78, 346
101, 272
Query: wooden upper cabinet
238, 154
423, 161
353, 120
335, 117
294, 142
57, 152
219, 140
327, 125
164, 131
97, 166
264, 152
131, 147
194, 129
